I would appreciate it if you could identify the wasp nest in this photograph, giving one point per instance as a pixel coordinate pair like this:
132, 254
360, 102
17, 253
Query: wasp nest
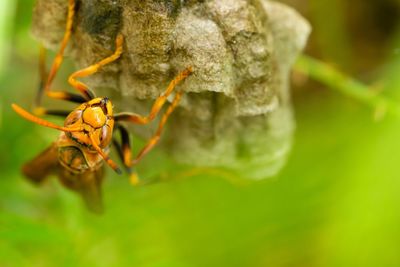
236, 110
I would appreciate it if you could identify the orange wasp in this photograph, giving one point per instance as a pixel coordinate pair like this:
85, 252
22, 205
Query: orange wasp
84, 143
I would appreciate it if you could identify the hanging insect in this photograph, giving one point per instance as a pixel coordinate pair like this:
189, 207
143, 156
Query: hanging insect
84, 143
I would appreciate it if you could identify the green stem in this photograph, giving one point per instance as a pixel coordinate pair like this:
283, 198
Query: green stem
333, 78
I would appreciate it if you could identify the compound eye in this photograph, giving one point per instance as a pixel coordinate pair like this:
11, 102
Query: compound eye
73, 117
105, 136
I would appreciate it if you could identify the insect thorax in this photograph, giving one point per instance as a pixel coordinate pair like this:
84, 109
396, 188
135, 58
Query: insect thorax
76, 158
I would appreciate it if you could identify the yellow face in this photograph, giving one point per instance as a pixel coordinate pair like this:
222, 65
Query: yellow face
96, 118
97, 112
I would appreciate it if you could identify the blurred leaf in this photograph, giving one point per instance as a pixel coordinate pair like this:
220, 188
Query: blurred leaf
7, 9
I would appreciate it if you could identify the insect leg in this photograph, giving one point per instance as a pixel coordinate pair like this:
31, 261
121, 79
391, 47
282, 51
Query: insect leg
154, 140
43, 75
53, 94
158, 104
83, 88
125, 153
39, 111
57, 63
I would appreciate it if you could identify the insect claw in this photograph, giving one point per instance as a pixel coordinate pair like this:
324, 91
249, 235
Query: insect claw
134, 179
39, 111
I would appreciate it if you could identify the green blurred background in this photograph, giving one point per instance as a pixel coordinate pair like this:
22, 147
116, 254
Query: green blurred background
336, 202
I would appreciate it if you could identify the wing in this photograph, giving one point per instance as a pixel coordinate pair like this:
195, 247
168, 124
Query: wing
41, 166
87, 184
